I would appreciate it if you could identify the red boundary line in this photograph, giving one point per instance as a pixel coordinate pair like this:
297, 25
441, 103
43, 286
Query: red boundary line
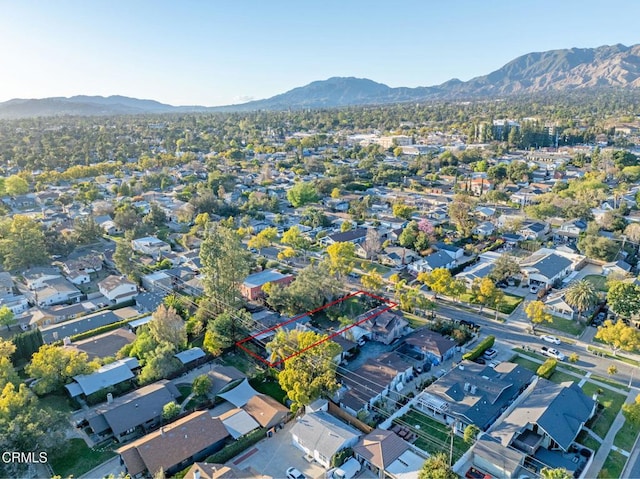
240, 343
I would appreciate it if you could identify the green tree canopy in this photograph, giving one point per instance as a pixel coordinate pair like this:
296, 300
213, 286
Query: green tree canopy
624, 298
619, 336
22, 243
302, 193
54, 366
437, 467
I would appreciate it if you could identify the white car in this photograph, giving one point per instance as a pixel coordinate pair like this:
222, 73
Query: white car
552, 353
550, 339
293, 473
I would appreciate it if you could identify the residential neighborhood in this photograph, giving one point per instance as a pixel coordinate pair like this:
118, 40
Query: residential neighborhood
329, 303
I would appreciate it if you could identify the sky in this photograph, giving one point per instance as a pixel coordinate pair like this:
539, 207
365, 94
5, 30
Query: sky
218, 52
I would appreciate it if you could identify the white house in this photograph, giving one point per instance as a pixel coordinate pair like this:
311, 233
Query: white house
118, 289
37, 277
544, 269
150, 246
56, 291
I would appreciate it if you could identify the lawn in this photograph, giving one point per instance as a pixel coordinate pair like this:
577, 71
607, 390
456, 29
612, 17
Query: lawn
608, 354
185, 390
415, 321
433, 436
57, 402
364, 266
612, 403
76, 458
270, 387
509, 303
585, 439
241, 361
557, 377
568, 326
560, 377
626, 437
612, 468
526, 363
599, 282
610, 382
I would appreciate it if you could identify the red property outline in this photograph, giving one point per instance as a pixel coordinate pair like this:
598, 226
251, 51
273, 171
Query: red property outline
240, 343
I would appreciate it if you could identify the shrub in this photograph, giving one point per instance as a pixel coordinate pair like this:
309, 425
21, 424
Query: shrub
100, 330
476, 352
547, 368
236, 447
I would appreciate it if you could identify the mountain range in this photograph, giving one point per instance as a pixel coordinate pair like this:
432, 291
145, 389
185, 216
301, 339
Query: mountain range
609, 66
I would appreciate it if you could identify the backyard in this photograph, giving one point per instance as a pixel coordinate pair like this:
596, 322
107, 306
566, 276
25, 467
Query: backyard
76, 458
433, 436
270, 387
598, 281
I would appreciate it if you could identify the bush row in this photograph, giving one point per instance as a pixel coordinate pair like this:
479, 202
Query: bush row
482, 346
547, 368
231, 450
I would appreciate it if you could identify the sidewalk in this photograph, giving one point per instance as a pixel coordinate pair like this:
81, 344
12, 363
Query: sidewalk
607, 442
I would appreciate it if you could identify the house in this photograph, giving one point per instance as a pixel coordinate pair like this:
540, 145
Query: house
355, 236
533, 230
251, 287
35, 278
108, 375
150, 246
224, 378
436, 260
486, 228
76, 326
238, 423
134, 413
478, 271
190, 356
556, 305
148, 302
157, 282
489, 456
56, 291
17, 304
266, 410
320, 436
175, 446
104, 345
387, 455
372, 381
205, 470
474, 394
553, 413
452, 250
545, 269
397, 257
569, 231
118, 289
619, 268
435, 347
6, 284
385, 326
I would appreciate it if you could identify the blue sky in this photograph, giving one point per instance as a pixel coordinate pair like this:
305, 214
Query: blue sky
215, 52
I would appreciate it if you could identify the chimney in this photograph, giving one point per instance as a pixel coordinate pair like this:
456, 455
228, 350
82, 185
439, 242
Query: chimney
196, 474
474, 388
109, 398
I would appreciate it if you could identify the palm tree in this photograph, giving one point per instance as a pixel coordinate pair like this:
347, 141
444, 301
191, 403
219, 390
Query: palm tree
581, 295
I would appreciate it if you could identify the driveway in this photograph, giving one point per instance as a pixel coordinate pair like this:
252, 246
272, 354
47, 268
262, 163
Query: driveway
273, 456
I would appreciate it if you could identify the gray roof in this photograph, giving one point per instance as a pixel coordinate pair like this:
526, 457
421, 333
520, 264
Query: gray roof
505, 458
320, 431
550, 265
136, 323
104, 377
495, 388
240, 395
238, 422
149, 301
350, 235
559, 409
439, 259
193, 354
222, 376
263, 277
135, 408
77, 326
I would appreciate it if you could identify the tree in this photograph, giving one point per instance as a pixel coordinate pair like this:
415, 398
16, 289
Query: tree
159, 363
631, 411
574, 358
372, 280
126, 217
346, 226
557, 473
264, 238
302, 193
310, 374
7, 371
340, 257
225, 264
619, 336
22, 243
227, 329
170, 410
156, 216
439, 280
409, 235
624, 299
505, 267
459, 211
54, 366
15, 185
536, 313
581, 295
335, 193
372, 243
403, 211
123, 258
201, 385
470, 433
598, 247
87, 230
437, 467
168, 327
7, 318
294, 238
612, 370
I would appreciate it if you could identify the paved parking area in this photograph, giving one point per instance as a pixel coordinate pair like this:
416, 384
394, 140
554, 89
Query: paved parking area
274, 455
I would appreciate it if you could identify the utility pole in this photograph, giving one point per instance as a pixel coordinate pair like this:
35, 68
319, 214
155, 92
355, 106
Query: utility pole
453, 432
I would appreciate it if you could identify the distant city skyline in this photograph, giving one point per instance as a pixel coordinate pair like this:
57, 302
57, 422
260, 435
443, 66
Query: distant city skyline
197, 52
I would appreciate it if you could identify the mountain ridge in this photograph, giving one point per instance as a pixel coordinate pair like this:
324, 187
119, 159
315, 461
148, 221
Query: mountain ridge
609, 66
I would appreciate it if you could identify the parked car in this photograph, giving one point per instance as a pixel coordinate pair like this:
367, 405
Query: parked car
474, 473
479, 361
293, 473
552, 353
550, 339
490, 353
468, 324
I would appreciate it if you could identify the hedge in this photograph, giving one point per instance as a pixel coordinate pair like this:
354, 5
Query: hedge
233, 449
547, 368
476, 352
100, 330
